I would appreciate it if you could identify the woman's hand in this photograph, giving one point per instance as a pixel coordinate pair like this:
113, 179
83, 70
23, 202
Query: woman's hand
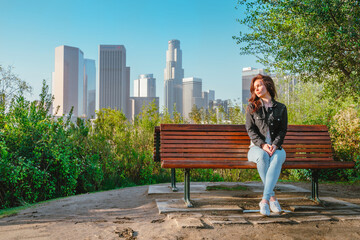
270, 149
273, 149
267, 148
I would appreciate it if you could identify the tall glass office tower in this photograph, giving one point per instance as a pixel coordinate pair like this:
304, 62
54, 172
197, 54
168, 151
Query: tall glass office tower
68, 81
90, 79
114, 79
173, 75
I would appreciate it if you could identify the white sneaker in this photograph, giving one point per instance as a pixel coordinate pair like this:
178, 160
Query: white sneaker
275, 206
264, 209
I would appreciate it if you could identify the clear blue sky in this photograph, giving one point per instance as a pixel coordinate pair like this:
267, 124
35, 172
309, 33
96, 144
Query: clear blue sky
30, 31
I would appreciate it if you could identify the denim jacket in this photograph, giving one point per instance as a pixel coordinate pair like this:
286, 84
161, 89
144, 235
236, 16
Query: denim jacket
275, 119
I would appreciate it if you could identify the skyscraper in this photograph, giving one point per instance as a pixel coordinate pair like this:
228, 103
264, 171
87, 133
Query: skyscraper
68, 81
145, 86
192, 95
90, 79
114, 79
208, 96
247, 75
173, 75
144, 94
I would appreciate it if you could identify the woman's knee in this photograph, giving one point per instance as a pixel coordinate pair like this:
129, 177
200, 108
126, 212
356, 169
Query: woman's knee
278, 157
258, 155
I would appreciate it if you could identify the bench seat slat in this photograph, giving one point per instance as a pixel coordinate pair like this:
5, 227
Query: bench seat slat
247, 164
235, 155
215, 159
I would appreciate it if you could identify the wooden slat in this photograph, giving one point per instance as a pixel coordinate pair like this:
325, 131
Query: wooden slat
298, 138
207, 146
214, 141
205, 164
322, 150
307, 128
306, 146
241, 141
202, 155
312, 155
202, 127
197, 133
208, 159
305, 141
227, 128
247, 164
317, 165
307, 134
203, 137
205, 150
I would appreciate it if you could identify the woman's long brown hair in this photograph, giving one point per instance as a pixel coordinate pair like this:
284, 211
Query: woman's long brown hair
270, 87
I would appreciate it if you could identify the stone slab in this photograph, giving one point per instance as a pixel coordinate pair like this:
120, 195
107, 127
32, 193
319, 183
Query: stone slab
343, 204
189, 222
315, 218
341, 212
178, 205
268, 220
227, 220
181, 215
306, 208
347, 217
195, 187
281, 187
166, 189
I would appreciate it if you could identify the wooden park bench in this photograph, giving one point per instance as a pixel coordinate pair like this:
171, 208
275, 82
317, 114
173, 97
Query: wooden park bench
190, 146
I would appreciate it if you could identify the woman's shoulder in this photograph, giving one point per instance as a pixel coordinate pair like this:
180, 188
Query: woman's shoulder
250, 107
279, 104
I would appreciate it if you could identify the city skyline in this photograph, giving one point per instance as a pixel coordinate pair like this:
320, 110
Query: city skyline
205, 29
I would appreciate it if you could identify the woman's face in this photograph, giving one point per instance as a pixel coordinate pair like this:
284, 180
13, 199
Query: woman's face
260, 89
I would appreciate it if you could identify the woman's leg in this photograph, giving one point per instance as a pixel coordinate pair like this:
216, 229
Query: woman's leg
273, 173
262, 160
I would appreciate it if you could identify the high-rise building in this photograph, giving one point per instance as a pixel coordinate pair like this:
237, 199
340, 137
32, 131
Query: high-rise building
192, 95
144, 94
173, 75
211, 95
208, 96
247, 75
221, 107
114, 79
68, 81
90, 79
145, 86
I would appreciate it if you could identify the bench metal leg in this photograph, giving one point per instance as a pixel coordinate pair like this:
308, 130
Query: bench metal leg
187, 188
173, 180
315, 185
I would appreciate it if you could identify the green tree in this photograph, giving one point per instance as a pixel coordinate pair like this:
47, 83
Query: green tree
11, 85
318, 40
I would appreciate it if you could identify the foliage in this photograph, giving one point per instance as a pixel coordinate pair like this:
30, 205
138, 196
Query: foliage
36, 155
11, 86
315, 40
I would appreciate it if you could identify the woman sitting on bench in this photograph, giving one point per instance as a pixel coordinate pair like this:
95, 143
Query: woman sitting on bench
266, 124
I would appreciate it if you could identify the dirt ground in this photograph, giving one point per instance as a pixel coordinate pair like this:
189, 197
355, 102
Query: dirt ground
131, 213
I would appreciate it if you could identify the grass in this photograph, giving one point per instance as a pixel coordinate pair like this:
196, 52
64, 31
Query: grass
13, 211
